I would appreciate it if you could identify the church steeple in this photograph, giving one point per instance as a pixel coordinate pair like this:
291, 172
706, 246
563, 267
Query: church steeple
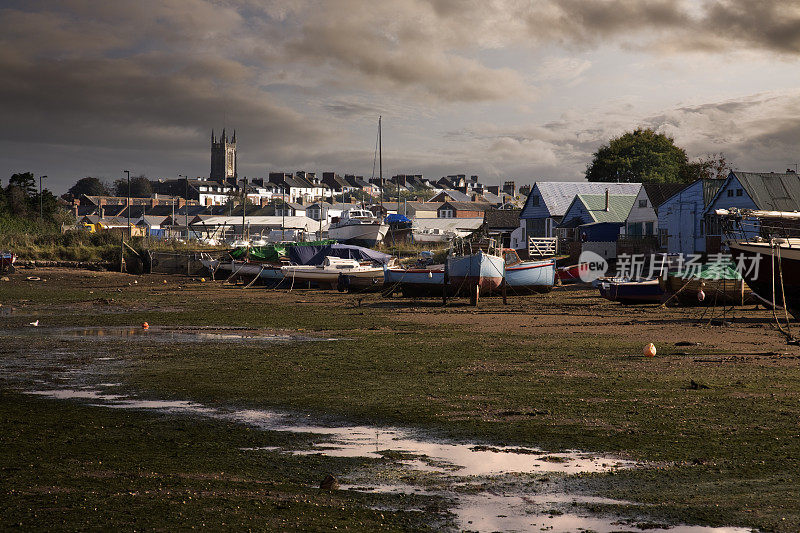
224, 164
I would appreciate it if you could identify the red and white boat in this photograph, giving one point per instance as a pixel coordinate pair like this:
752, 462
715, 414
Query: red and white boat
7, 260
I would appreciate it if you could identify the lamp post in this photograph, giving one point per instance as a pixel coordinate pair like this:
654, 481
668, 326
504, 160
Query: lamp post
186, 203
41, 210
130, 233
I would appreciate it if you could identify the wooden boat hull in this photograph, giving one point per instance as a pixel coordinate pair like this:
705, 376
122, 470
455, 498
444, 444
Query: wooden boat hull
716, 291
479, 269
414, 281
531, 276
769, 272
632, 292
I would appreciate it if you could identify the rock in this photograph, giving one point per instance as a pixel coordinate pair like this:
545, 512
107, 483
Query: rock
329, 483
697, 386
4, 278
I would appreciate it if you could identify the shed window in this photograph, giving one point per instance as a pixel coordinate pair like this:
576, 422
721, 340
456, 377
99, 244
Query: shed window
446, 213
730, 192
535, 201
648, 228
642, 203
738, 192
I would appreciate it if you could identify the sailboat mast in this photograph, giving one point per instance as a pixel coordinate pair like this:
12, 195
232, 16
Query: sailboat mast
380, 161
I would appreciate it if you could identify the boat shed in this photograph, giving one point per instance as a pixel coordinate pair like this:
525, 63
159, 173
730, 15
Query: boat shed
765, 191
680, 217
548, 202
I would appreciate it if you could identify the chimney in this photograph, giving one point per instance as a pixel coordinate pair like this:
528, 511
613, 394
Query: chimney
607, 208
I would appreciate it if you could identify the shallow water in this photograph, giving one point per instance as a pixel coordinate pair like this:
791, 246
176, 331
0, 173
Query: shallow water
474, 477
177, 334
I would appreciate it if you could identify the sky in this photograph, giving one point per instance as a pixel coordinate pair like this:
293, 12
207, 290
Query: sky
506, 89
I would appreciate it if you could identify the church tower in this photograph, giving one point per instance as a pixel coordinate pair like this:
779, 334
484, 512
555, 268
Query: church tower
223, 158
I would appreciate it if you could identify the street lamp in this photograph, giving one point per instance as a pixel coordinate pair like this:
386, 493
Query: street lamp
186, 203
41, 210
130, 233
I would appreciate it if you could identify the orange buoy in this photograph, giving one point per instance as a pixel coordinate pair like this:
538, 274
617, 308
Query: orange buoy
650, 350
145, 326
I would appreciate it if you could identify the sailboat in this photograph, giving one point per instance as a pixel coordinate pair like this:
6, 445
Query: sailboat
359, 226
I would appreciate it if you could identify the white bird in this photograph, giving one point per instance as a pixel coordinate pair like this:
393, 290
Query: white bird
34, 324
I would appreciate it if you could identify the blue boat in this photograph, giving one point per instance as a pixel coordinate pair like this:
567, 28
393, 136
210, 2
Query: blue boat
632, 292
427, 281
476, 273
526, 277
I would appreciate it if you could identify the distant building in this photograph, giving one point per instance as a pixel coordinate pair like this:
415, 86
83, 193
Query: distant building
223, 159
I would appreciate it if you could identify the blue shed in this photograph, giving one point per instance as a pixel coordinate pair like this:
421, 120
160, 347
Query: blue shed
680, 217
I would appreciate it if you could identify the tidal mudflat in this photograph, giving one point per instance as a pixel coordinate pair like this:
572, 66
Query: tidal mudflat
539, 414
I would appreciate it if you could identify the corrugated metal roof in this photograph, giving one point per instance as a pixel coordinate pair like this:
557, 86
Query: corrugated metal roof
772, 191
558, 195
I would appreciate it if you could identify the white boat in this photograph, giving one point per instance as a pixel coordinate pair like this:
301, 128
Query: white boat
358, 226
432, 235
327, 274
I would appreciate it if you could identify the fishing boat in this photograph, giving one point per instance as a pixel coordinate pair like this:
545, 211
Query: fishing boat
525, 277
327, 274
358, 226
769, 251
632, 292
7, 260
713, 284
473, 270
410, 282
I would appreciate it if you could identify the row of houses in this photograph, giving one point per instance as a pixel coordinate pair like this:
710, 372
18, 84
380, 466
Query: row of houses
307, 187
612, 218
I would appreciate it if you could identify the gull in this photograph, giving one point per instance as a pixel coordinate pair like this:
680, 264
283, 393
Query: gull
36, 323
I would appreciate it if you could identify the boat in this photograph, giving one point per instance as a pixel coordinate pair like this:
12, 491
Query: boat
7, 260
473, 273
525, 277
361, 281
327, 274
632, 292
358, 226
414, 281
713, 284
771, 263
571, 274
266, 272
431, 235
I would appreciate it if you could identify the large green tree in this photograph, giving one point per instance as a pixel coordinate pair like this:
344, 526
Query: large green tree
25, 181
89, 186
637, 157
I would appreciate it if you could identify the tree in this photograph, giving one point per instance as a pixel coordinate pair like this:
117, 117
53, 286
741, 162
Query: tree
639, 156
90, 187
140, 187
712, 166
25, 181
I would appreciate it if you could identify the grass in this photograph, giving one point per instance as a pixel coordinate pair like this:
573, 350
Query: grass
80, 467
723, 455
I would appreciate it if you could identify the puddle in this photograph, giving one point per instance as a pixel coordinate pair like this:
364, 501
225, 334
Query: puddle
177, 334
490, 487
6, 311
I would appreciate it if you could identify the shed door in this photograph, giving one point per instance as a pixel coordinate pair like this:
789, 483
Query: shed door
687, 235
